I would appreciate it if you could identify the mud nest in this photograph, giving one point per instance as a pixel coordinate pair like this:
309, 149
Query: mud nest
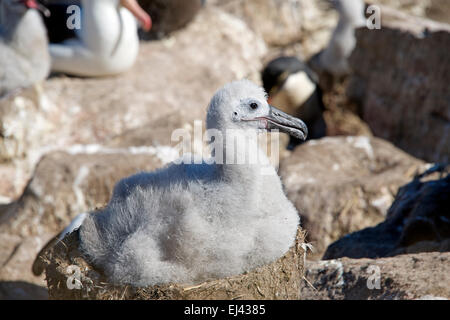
69, 276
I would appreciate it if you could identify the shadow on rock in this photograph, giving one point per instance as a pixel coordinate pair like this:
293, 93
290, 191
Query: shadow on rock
20, 290
417, 221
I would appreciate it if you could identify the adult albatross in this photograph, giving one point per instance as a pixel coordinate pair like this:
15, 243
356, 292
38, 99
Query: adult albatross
190, 222
107, 42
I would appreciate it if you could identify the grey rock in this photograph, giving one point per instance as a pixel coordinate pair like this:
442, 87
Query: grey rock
344, 184
410, 276
401, 81
417, 221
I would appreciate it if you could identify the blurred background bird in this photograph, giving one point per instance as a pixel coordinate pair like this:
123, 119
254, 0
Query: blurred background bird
332, 63
166, 15
106, 43
297, 86
24, 58
293, 87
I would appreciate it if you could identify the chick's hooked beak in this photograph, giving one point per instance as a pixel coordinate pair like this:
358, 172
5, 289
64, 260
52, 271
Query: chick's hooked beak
144, 19
286, 123
33, 4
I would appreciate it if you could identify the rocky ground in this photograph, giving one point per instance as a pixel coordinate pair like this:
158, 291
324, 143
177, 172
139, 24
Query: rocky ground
423, 276
417, 84
349, 189
65, 143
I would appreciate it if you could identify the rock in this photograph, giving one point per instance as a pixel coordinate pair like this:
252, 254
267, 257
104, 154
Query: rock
169, 15
214, 49
401, 79
341, 114
343, 184
279, 280
303, 27
439, 10
16, 257
19, 290
63, 186
432, 9
156, 133
412, 7
411, 276
10, 186
417, 221
17, 137
285, 22
342, 122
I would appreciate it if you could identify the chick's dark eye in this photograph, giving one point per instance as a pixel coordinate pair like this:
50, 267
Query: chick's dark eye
253, 105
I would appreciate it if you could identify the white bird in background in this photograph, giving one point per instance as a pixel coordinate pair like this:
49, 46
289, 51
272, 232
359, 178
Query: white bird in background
334, 58
24, 58
107, 42
191, 222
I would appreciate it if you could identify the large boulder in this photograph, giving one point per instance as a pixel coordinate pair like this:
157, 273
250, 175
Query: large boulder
303, 27
69, 276
438, 10
341, 114
417, 221
344, 184
212, 50
432, 9
20, 290
283, 23
10, 186
412, 276
401, 76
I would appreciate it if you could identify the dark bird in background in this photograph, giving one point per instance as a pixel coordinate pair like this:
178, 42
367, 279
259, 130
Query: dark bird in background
298, 85
293, 86
169, 15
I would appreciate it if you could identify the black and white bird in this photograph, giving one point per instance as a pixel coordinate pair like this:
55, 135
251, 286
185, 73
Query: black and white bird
298, 85
294, 87
190, 222
106, 42
24, 57
167, 16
